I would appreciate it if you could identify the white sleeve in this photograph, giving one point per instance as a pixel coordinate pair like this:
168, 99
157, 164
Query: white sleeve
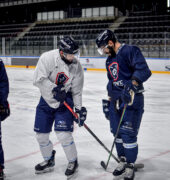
77, 87
42, 81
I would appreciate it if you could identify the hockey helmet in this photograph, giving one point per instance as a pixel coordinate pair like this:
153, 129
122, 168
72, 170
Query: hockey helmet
103, 39
69, 47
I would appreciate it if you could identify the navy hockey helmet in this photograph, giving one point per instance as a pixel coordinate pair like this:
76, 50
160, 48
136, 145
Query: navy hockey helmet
103, 39
68, 45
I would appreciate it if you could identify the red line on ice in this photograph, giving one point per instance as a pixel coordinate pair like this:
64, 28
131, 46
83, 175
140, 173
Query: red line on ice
26, 155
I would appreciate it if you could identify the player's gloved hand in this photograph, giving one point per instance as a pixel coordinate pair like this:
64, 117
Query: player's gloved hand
59, 93
128, 92
82, 114
113, 90
106, 105
4, 111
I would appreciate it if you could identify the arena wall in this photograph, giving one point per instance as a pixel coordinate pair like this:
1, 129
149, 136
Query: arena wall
88, 63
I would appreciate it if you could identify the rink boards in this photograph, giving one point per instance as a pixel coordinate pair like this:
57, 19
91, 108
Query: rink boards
157, 65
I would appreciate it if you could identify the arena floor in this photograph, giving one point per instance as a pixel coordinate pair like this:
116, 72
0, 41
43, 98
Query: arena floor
22, 150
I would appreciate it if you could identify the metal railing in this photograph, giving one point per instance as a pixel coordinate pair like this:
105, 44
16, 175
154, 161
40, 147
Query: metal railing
35, 46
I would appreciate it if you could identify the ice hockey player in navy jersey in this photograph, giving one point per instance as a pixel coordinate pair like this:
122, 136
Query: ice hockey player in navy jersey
4, 109
126, 70
59, 76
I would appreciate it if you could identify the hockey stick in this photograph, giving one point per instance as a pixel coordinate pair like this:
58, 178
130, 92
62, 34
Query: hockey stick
137, 166
102, 162
91, 132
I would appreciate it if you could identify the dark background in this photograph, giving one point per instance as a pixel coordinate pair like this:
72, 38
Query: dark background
28, 12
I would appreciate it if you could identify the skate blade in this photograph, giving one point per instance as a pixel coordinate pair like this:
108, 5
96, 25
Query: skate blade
45, 170
73, 175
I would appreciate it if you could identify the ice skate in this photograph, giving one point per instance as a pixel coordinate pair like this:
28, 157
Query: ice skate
129, 172
120, 169
46, 166
71, 169
2, 176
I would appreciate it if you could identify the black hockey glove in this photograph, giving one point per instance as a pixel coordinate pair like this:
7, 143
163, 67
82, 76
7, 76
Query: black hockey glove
82, 114
128, 92
4, 111
106, 106
59, 93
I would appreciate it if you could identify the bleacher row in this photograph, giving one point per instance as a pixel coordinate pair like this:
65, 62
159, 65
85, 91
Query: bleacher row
12, 30
136, 17
140, 30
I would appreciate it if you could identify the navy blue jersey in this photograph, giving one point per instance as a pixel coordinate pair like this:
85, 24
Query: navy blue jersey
4, 84
128, 63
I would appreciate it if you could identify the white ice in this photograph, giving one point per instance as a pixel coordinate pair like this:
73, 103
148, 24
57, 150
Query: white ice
22, 150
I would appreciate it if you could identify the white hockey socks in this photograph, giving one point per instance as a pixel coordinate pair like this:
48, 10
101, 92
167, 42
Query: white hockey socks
67, 142
45, 144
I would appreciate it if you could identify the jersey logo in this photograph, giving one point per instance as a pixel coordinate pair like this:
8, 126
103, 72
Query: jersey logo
61, 78
114, 70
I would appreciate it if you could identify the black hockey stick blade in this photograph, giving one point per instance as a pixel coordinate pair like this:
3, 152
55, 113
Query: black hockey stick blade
102, 163
138, 166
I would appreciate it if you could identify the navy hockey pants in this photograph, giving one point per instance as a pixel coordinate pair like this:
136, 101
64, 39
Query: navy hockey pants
126, 142
46, 116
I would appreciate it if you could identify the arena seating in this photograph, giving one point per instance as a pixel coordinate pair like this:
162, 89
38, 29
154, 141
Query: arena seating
12, 30
41, 36
149, 31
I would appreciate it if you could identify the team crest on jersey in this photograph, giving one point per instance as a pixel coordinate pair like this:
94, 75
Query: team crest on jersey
114, 70
61, 78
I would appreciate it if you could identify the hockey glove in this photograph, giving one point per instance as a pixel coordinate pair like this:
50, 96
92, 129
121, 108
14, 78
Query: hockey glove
106, 106
82, 113
59, 93
128, 93
4, 111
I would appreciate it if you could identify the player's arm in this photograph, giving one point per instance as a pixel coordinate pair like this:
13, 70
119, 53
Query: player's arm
140, 67
4, 91
4, 84
141, 73
42, 81
77, 87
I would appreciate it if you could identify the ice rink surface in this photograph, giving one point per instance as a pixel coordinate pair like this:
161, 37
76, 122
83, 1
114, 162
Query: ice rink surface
22, 150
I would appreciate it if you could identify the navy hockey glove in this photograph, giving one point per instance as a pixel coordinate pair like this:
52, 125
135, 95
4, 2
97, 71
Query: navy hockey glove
82, 114
4, 111
106, 106
59, 93
128, 92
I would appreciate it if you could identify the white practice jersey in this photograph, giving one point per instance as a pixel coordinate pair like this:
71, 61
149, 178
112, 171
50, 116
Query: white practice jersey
49, 67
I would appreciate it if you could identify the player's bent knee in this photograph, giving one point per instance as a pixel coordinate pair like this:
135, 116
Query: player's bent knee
42, 138
65, 138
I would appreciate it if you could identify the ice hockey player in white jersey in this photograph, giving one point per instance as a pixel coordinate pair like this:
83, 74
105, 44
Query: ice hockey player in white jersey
59, 77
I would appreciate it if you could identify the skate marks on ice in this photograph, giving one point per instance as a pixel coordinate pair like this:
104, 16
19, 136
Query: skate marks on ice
18, 136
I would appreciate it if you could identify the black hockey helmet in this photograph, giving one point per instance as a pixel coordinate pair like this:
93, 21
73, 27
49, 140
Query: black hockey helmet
103, 39
68, 45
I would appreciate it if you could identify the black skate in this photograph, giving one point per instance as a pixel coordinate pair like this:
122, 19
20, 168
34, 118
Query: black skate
46, 166
71, 168
129, 172
120, 169
2, 176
